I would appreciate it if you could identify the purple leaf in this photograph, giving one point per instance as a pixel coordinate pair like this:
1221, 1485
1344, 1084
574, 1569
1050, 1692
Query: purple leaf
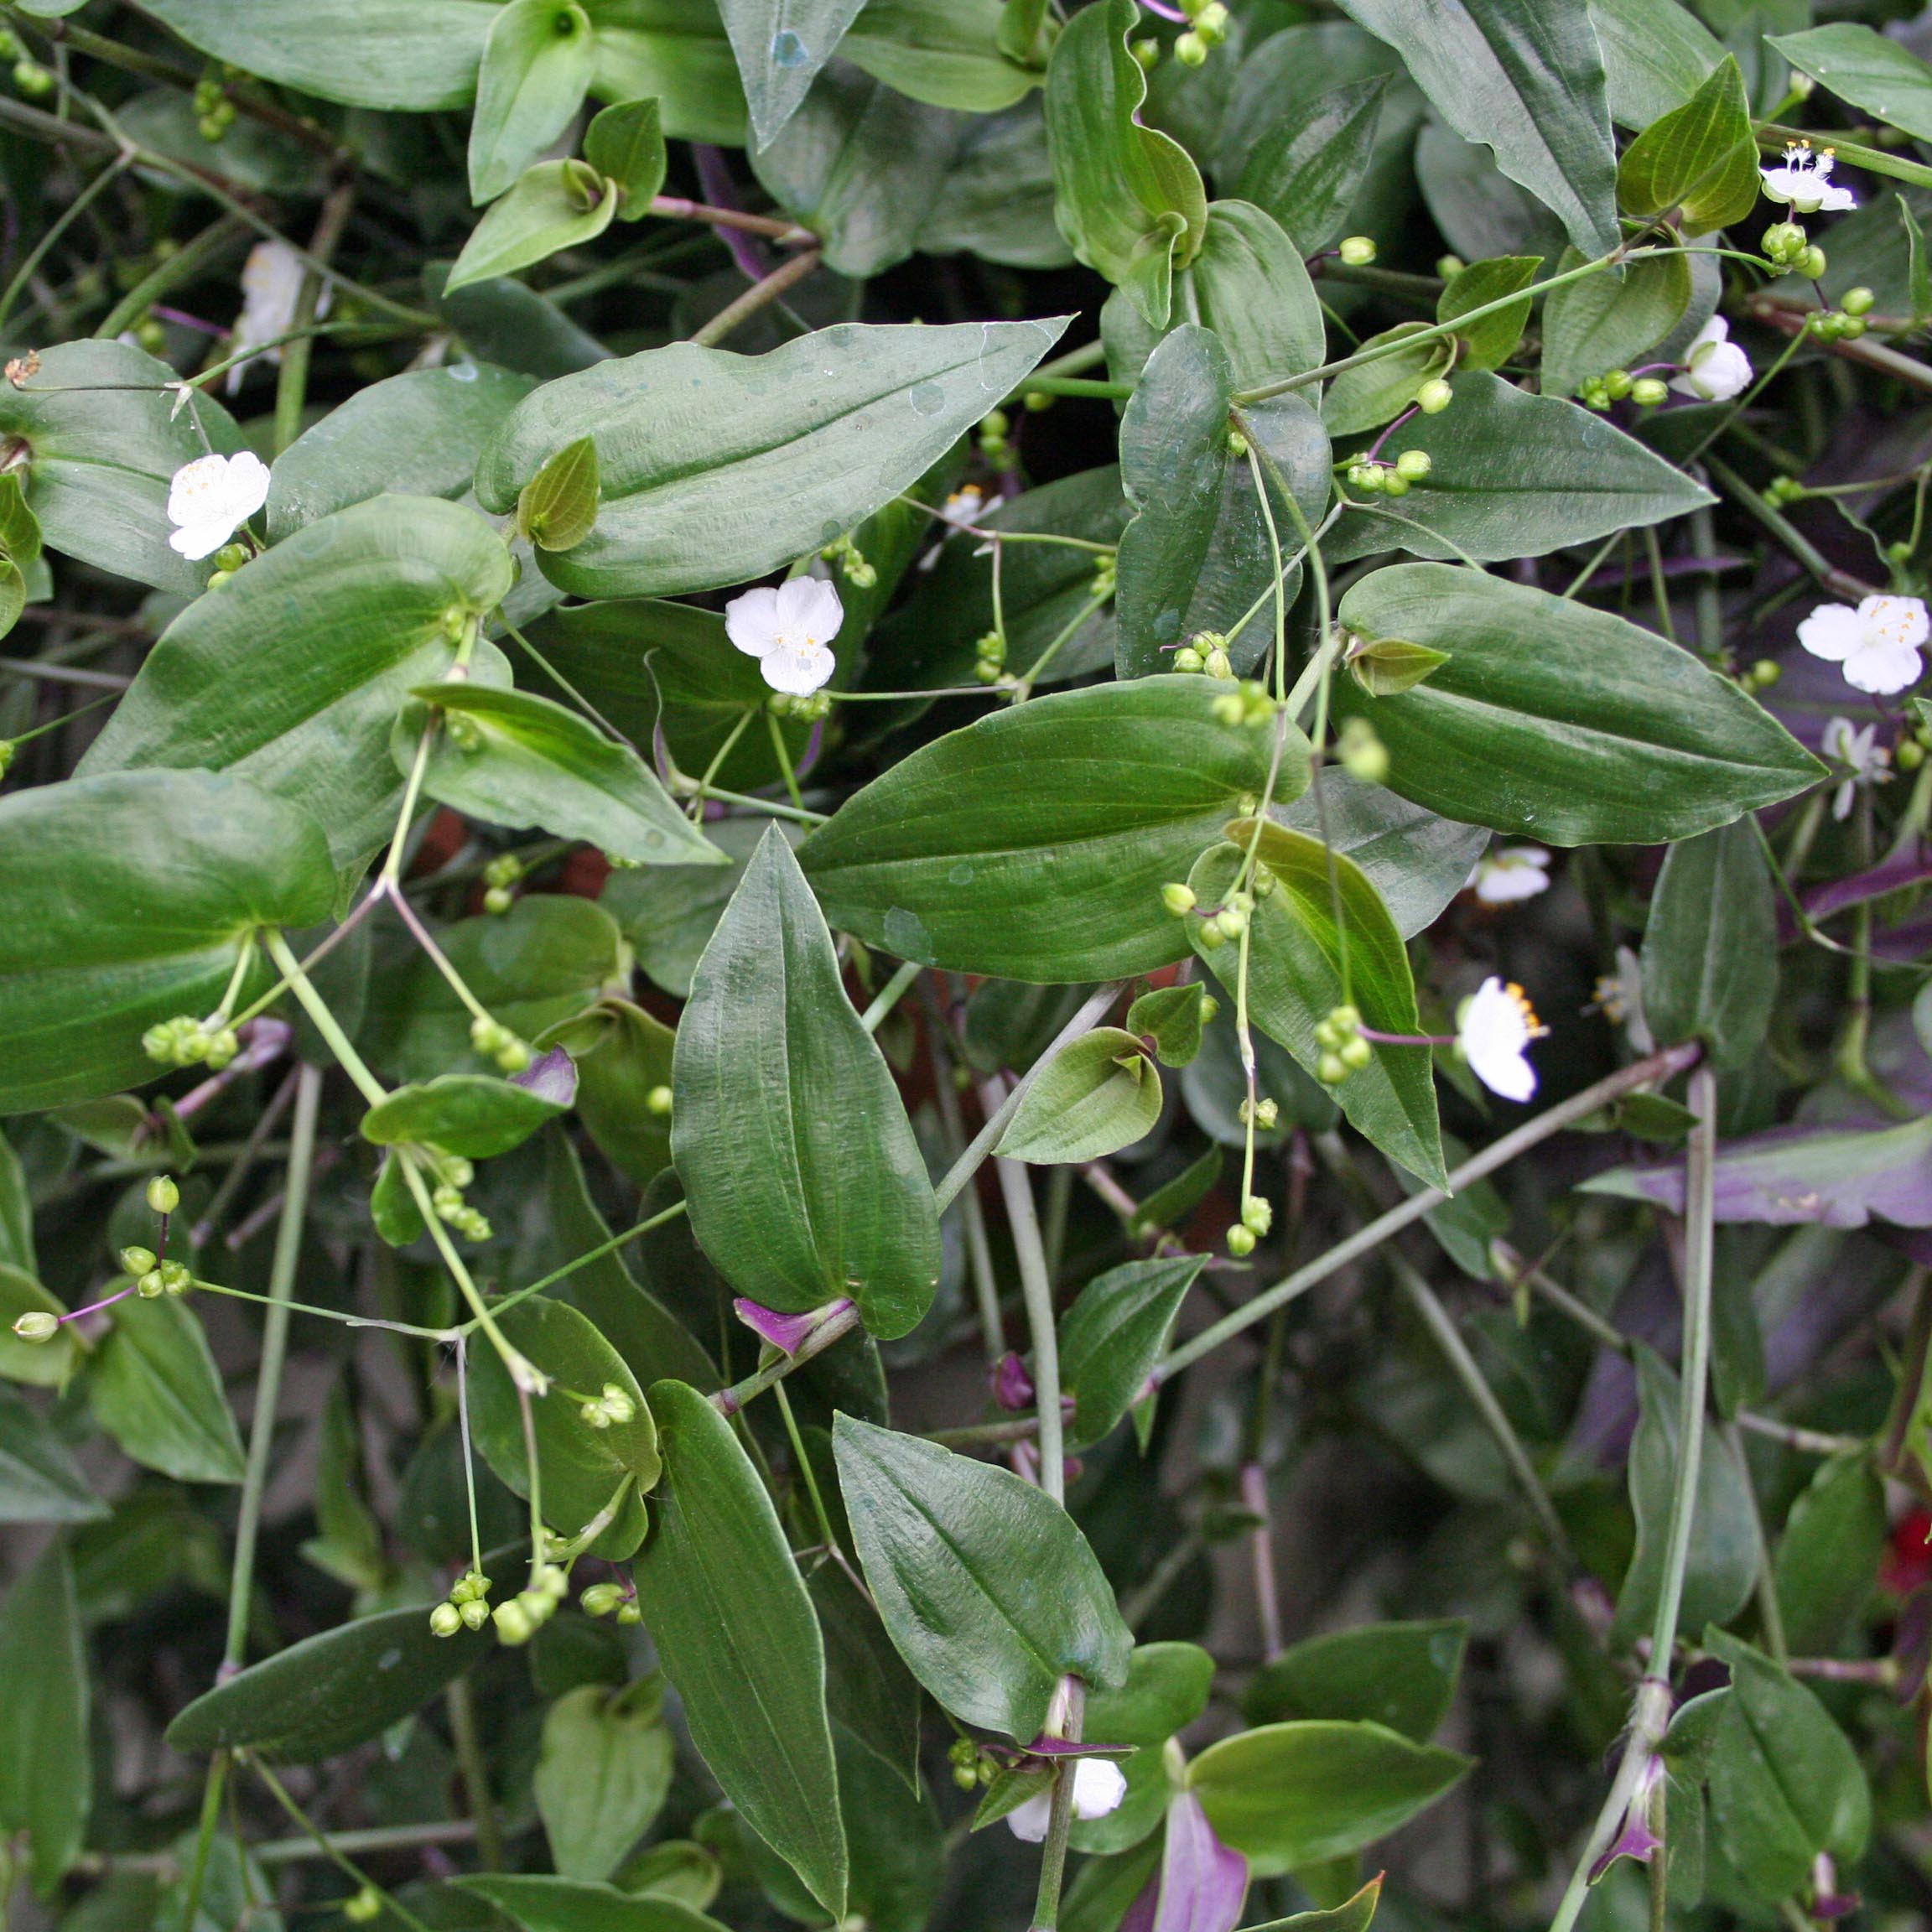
1636, 1840
787, 1333
551, 1076
1838, 1176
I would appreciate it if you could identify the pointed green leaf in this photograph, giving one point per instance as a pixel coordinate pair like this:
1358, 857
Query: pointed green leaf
40, 1482
1828, 1557
537, 66
1870, 70
46, 1783
554, 205
1606, 322
781, 45
603, 1773
1110, 1340
467, 1114
1171, 1017
1098, 1094
557, 509
1307, 169
540, 1903
1656, 54
804, 1180
623, 1060
1390, 666
1402, 1676
1364, 398
625, 143
1355, 1915
19, 527
945, 53
1699, 159
1490, 343
1711, 946
155, 1389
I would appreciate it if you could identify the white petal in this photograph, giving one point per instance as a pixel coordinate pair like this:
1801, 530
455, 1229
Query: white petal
1882, 666
1495, 1028
1714, 331
751, 621
797, 668
1836, 200
1721, 372
195, 541
1833, 631
1029, 1821
1900, 619
808, 608
246, 485
1841, 800
1098, 1787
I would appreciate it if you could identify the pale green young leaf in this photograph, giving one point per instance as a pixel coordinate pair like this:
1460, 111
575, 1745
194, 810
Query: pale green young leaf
154, 1388
553, 204
1099, 1093
625, 143
536, 68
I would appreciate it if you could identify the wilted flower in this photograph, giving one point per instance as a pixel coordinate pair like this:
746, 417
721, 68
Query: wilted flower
1493, 1033
1804, 181
1510, 873
1620, 999
1715, 368
271, 288
964, 506
1877, 643
1098, 1787
211, 498
789, 630
1869, 763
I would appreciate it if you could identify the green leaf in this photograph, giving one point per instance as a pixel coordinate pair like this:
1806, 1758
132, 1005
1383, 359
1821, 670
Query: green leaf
1098, 1094
1606, 321
625, 143
1490, 343
1364, 398
732, 1623
1354, 1915
1566, 724
1724, 1545
1525, 78
897, 1839
867, 1689
1128, 199
1196, 555
518, 760
717, 468
1656, 54
536, 69
41, 1364
1390, 667
668, 913
1699, 159
1870, 70
987, 1588
584, 1469
1166, 1689
623, 1059
1401, 1675
1170, 1017
997, 200
326, 632
1110, 1340
467, 1114
1307, 169
420, 434
155, 1389
1918, 265
1514, 475
503, 321
945, 860
1292, 1794
538, 1902
332, 1691
1711, 947
603, 1773
1173, 1201
20, 536
781, 45
101, 443
1828, 1557
1295, 980
557, 509
554, 205
362, 53
1251, 290
804, 1180
678, 52
1785, 1783
46, 1781
945, 53
40, 1482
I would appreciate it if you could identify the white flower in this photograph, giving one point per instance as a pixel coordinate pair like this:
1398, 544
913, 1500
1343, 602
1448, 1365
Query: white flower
271, 286
1493, 1033
1804, 181
1510, 873
211, 498
964, 506
1870, 763
1620, 999
1716, 369
789, 630
1098, 1787
1877, 643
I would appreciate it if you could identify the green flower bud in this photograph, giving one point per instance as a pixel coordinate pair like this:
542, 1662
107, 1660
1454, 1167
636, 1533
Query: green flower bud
1433, 397
445, 1620
1262, 883
966, 1777
1852, 327
1257, 1216
164, 1197
37, 1324
8, 748
1178, 899
1782, 240
1647, 392
497, 899
658, 1101
32, 79
628, 1612
1908, 755
1347, 1018
1394, 483
1190, 49
1810, 264
550, 1581
1412, 466
1616, 383
1146, 51
995, 424
1218, 664
230, 557
1767, 671
1188, 658
1356, 1053
367, 1903
222, 1048
1858, 301
1240, 1240
1209, 1007
601, 1599
1358, 251
594, 1414
1037, 401
1449, 267
475, 1614
1232, 922
151, 1284
618, 1404
513, 1056
1210, 938
1363, 755
1237, 445
138, 1261
1229, 709
175, 1279
1330, 1070
514, 1624
1211, 22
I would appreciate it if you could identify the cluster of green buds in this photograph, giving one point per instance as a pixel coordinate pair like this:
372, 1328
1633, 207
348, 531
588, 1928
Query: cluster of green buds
612, 1405
1362, 755
154, 1277
451, 1208
499, 876
1376, 479
1106, 575
1257, 1217
806, 708
467, 1607
182, 1042
29, 76
1343, 1049
1205, 650
990, 657
1761, 675
529, 1610
1845, 323
1908, 754
1790, 251
495, 1041
611, 1599
851, 561
214, 111
1230, 922
1262, 1113
972, 1766
1783, 490
994, 430
1598, 393
1248, 703
1206, 29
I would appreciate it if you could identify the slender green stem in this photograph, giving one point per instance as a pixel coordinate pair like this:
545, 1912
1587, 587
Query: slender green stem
292, 381
75, 209
832, 1328
889, 994
978, 1249
171, 272
1064, 1721
326, 1023
212, 1790
1770, 1611
339, 1315
392, 872
1053, 648
524, 1373
353, 1873
785, 275
770, 807
460, 1701
469, 1453
1037, 1292
583, 1260
274, 1351
1841, 582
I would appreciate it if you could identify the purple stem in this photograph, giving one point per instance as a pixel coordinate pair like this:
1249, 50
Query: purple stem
714, 178
184, 319
95, 1308
1408, 1039
1375, 448
1166, 13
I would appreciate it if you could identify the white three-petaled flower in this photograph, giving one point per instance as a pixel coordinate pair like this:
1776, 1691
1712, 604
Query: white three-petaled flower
1804, 181
271, 288
1510, 873
211, 498
1493, 1033
964, 506
1868, 762
1715, 368
1098, 1787
789, 630
1877, 643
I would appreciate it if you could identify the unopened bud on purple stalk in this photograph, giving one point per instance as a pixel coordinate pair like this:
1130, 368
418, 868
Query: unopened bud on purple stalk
1012, 1386
787, 1333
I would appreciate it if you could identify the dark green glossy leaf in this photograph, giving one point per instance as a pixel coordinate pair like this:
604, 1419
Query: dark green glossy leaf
326, 632
1364, 398
1098, 1094
1171, 1017
1173, 1201
584, 1469
1711, 947
503, 321
46, 1767
1526, 78
40, 1482
466, 1113
997, 200
557, 509
1250, 288
946, 861
155, 1389
603, 1773
1292, 1794
1563, 723
717, 468
554, 205
867, 1689
1110, 1340
1656, 54
102, 443
623, 1061
1402, 1676
536, 68
1699, 159
1491, 342
625, 144
733, 1626
986, 1587
330, 1692
540, 1903
1606, 322
668, 913
1868, 69
1308, 170
1166, 1689
677, 52
1829, 1555
804, 1180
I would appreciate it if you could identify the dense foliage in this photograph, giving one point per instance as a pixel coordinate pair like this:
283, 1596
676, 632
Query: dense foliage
960, 964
